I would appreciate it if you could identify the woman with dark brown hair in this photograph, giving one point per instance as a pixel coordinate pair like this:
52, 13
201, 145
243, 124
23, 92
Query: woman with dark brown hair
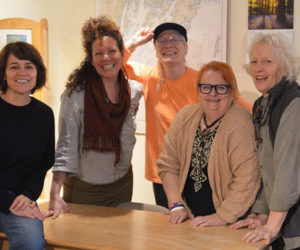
96, 125
26, 145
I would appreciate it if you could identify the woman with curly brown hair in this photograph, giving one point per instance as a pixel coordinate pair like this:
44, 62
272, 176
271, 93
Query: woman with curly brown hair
96, 125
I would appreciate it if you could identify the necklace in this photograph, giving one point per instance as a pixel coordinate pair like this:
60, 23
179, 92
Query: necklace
206, 130
211, 125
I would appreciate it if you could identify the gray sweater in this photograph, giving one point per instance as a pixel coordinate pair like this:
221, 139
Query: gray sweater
93, 167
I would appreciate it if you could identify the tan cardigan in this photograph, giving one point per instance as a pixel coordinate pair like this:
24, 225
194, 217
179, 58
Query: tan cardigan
233, 171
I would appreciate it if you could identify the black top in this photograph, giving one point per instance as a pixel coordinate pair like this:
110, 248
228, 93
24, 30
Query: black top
26, 150
197, 191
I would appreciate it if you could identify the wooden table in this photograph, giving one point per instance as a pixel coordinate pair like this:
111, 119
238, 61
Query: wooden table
97, 227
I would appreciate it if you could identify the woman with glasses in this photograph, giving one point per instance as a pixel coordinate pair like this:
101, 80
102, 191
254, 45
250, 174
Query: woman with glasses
208, 165
167, 88
274, 67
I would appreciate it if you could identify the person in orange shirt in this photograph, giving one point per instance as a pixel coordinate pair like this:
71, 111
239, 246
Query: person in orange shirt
167, 88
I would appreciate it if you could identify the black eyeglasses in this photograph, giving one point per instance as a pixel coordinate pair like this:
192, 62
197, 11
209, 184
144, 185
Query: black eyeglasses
206, 88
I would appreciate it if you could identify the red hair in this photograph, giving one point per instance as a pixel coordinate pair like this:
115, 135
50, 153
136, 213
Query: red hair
226, 72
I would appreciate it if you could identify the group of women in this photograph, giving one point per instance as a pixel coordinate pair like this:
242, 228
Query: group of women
206, 161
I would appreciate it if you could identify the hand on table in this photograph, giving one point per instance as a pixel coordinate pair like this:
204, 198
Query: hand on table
208, 220
260, 233
56, 206
179, 216
251, 222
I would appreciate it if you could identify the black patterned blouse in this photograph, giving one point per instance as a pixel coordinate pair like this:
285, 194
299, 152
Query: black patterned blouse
197, 192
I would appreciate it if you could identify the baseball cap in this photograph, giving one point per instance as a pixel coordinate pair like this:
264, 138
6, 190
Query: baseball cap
169, 26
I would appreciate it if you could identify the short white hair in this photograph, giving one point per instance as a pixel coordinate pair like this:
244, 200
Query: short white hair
283, 49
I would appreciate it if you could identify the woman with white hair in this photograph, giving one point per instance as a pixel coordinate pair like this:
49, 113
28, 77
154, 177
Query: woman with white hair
273, 68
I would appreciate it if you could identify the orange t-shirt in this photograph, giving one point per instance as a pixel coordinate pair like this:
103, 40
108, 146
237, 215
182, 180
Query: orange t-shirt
162, 106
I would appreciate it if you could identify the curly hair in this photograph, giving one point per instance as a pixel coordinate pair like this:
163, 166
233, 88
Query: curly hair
93, 29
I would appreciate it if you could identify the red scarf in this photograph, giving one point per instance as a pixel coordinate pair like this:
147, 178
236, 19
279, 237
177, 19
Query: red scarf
103, 120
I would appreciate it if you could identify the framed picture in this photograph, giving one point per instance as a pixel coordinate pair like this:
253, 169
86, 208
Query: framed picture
14, 35
275, 16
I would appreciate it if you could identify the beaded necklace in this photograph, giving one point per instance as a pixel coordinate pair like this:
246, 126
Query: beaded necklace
206, 130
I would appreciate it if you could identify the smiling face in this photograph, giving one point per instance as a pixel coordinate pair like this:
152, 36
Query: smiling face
170, 47
107, 58
214, 102
20, 76
265, 68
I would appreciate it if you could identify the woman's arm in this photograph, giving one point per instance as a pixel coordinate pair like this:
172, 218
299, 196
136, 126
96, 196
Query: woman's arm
243, 164
56, 204
259, 214
171, 187
69, 132
170, 165
66, 158
268, 231
286, 158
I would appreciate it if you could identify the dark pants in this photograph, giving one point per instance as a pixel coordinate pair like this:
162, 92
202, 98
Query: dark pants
160, 195
112, 194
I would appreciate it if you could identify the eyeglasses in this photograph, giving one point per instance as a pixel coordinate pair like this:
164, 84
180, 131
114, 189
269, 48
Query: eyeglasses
171, 40
206, 88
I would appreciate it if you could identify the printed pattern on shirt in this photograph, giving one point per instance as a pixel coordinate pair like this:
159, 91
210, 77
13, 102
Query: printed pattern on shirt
200, 156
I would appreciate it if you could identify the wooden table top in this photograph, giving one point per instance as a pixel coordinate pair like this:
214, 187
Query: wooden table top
98, 227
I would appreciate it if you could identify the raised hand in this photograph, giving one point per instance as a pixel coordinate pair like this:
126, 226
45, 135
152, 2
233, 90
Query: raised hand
141, 37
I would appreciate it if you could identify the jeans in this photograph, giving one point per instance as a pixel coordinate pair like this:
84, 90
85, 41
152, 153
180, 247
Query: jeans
22, 233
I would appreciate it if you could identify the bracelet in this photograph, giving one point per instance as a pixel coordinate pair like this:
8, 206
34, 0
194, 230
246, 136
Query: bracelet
176, 206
